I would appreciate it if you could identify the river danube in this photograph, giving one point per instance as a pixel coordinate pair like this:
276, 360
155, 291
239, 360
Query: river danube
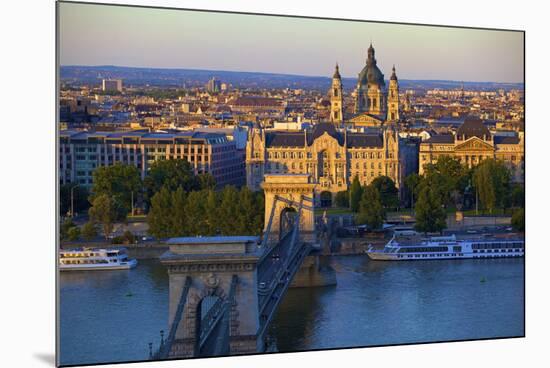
110, 316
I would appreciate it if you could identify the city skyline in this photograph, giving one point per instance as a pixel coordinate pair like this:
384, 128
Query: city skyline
130, 30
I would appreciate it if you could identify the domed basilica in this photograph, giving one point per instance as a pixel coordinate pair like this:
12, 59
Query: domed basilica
374, 104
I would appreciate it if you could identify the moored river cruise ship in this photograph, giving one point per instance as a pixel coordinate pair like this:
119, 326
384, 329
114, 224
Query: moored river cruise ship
84, 259
446, 247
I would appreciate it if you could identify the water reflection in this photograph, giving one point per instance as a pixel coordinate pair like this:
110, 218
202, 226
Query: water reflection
113, 315
378, 303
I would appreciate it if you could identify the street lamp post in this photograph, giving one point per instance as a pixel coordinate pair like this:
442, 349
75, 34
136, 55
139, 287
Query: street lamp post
72, 199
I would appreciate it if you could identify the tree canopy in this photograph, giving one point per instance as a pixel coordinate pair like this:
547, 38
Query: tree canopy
80, 198
411, 183
106, 210
387, 190
342, 199
206, 212
355, 193
371, 209
518, 220
491, 180
449, 178
429, 212
117, 182
171, 174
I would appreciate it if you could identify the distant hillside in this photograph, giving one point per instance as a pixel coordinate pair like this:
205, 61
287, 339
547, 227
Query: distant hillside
196, 77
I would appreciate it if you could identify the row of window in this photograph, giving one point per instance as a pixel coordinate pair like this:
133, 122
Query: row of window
337, 155
506, 245
176, 149
90, 261
433, 255
497, 250
422, 249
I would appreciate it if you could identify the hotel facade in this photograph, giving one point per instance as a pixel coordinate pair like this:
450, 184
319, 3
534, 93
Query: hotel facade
81, 152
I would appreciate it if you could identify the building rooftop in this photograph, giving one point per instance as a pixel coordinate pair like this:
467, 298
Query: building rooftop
144, 134
473, 127
299, 138
255, 101
441, 138
506, 139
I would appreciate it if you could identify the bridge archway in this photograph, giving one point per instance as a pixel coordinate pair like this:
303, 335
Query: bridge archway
287, 220
284, 191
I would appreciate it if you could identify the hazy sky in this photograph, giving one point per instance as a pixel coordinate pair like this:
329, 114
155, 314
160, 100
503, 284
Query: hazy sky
128, 36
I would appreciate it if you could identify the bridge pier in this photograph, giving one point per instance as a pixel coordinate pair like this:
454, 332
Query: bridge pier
220, 269
314, 272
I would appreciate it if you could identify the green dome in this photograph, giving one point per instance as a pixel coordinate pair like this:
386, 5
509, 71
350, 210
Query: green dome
371, 74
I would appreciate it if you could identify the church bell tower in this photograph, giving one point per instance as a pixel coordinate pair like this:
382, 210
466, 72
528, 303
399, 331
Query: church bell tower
336, 99
393, 98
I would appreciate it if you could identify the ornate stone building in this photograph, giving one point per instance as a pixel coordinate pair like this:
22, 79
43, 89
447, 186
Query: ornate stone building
472, 143
331, 157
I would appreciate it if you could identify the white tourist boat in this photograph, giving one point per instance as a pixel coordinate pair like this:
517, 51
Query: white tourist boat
446, 247
83, 259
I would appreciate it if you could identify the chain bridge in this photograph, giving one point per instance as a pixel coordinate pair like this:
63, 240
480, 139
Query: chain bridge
224, 291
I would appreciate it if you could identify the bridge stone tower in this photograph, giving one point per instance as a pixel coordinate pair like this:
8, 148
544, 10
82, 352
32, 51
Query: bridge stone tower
213, 298
282, 192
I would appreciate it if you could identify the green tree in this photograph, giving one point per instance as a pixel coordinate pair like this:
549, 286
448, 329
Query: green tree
89, 230
517, 196
229, 211
159, 217
128, 237
211, 209
342, 199
259, 214
80, 198
196, 221
207, 181
388, 191
245, 212
117, 181
492, 182
65, 227
73, 233
250, 213
170, 174
355, 193
411, 183
371, 209
105, 210
518, 220
178, 213
448, 175
429, 213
